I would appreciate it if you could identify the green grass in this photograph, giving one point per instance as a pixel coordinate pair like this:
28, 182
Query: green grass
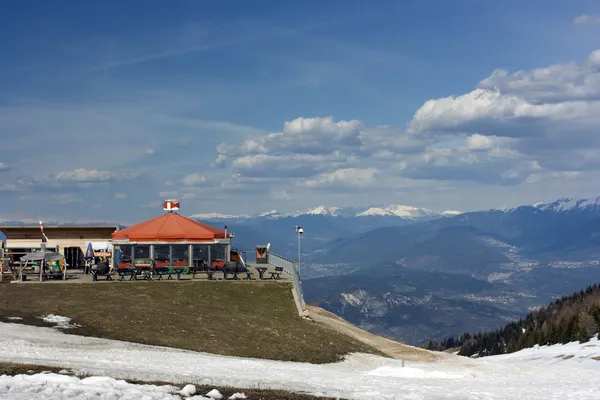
251, 394
246, 319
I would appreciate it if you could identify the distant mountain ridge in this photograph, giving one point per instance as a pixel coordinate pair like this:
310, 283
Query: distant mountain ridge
390, 210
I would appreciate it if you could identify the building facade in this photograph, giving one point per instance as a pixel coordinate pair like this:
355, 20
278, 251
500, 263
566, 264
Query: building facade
69, 240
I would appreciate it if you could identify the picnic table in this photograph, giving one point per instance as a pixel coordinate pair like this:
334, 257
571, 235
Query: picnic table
261, 272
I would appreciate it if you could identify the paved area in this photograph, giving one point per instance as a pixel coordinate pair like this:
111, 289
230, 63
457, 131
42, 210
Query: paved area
77, 276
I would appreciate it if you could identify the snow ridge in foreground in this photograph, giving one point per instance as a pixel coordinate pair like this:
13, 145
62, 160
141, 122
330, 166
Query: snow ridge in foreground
360, 376
56, 386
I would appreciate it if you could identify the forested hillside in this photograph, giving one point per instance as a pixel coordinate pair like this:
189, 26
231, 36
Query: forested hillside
570, 318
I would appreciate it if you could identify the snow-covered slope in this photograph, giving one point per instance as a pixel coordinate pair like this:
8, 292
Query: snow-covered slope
392, 210
218, 216
574, 354
359, 376
569, 204
318, 210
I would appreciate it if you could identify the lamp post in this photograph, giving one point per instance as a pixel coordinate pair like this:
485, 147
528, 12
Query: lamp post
299, 231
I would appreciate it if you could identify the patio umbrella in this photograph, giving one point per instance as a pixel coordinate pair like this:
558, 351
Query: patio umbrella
89, 251
42, 255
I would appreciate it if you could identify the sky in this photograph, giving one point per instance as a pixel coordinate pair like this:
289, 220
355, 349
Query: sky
238, 107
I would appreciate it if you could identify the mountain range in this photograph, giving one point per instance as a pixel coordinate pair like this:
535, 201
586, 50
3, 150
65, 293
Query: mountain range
413, 274
391, 210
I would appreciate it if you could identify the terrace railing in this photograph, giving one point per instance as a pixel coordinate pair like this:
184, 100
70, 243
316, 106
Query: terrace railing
291, 268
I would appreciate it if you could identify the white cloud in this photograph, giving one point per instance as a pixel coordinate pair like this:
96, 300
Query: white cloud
349, 177
120, 196
553, 176
169, 194
3, 167
513, 128
79, 178
280, 195
66, 198
585, 19
85, 175
10, 187
150, 152
193, 179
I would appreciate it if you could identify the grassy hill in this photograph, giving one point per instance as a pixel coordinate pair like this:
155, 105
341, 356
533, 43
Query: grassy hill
246, 319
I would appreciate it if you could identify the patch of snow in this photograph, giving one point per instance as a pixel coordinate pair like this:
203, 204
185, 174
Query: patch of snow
408, 372
188, 391
237, 396
209, 216
359, 376
573, 354
568, 204
398, 211
214, 394
319, 210
270, 214
59, 321
452, 212
56, 386
14, 318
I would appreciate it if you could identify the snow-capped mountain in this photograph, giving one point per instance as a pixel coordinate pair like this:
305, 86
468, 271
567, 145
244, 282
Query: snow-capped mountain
399, 211
218, 216
569, 204
318, 210
391, 210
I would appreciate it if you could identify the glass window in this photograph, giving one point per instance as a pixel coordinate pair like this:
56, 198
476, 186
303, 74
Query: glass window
123, 252
180, 255
142, 251
161, 255
123, 255
200, 254
218, 251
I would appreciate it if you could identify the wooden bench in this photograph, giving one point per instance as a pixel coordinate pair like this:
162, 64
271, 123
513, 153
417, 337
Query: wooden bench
95, 276
123, 272
162, 271
277, 273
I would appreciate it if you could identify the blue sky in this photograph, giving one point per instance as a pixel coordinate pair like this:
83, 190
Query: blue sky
242, 107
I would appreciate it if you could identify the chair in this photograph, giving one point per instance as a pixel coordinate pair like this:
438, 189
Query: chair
277, 273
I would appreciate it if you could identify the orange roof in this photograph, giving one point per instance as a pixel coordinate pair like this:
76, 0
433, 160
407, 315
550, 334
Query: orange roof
170, 227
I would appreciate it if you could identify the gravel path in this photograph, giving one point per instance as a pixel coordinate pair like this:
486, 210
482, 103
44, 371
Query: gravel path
391, 348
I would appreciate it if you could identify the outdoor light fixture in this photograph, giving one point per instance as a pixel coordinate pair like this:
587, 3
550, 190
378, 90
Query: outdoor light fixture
299, 231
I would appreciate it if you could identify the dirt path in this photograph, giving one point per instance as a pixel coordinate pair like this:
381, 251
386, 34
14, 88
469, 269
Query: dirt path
391, 348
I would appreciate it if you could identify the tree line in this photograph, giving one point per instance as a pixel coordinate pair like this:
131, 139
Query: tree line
569, 318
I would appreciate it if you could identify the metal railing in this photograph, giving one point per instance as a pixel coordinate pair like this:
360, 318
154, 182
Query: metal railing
291, 268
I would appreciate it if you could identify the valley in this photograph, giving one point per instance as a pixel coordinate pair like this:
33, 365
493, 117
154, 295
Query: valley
411, 274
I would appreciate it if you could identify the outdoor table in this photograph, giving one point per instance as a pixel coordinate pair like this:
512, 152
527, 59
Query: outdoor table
261, 271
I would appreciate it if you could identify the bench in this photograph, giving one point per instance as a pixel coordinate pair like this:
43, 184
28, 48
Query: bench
277, 273
235, 269
144, 270
95, 276
123, 272
161, 271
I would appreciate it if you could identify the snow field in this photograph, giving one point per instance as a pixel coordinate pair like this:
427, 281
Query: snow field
360, 376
